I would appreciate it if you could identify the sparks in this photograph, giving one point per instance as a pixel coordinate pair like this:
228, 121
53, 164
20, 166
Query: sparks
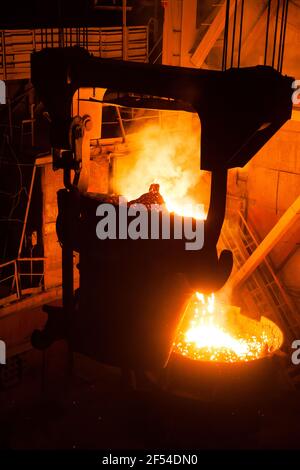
214, 332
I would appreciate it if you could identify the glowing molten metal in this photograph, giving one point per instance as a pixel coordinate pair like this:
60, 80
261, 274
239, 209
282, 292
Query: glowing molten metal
214, 332
166, 160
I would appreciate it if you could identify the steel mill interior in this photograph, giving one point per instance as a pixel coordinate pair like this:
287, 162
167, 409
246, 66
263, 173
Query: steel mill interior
150, 224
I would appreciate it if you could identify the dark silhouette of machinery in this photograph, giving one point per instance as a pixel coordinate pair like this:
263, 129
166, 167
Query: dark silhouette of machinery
132, 292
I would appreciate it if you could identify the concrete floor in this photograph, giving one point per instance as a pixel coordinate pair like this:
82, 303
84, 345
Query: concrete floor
92, 410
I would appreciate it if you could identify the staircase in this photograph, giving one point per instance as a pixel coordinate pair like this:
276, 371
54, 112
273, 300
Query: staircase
263, 292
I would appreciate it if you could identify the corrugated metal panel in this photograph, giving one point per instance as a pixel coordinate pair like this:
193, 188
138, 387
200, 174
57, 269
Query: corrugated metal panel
16, 46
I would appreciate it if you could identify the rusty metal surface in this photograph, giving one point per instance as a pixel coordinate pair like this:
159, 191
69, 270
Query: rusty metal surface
227, 383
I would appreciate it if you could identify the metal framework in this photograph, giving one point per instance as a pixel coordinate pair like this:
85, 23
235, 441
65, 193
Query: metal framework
17, 45
262, 291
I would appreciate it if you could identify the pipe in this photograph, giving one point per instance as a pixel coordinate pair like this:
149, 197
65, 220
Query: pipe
16, 277
27, 210
124, 28
121, 123
4, 56
217, 206
111, 8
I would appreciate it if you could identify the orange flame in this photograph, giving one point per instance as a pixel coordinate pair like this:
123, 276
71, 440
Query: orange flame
170, 158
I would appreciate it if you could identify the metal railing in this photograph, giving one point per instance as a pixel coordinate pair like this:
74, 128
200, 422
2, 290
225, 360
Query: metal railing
263, 290
15, 279
17, 45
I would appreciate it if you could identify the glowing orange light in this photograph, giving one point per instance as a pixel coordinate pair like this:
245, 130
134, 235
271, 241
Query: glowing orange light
211, 331
170, 159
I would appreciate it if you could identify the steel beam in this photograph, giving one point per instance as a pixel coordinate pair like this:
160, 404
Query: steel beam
284, 224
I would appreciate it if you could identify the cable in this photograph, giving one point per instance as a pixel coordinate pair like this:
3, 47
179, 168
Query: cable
241, 33
224, 59
10, 220
267, 32
16, 199
281, 32
7, 162
233, 33
283, 39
